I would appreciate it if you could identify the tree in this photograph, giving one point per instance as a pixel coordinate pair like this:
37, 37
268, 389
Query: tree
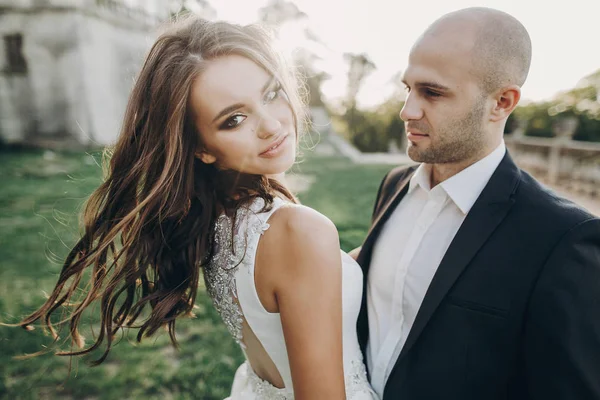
278, 12
281, 14
360, 66
201, 8
399, 92
583, 102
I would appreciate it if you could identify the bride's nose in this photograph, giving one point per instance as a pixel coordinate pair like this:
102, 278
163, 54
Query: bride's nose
268, 126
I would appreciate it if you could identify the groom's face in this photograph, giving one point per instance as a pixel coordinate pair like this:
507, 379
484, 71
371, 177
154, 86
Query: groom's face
445, 110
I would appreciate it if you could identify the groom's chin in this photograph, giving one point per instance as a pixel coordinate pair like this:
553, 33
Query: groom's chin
414, 153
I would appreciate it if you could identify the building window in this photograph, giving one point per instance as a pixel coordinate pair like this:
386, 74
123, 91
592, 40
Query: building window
15, 62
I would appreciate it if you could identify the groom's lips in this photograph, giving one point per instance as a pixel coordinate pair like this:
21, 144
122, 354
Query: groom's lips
415, 135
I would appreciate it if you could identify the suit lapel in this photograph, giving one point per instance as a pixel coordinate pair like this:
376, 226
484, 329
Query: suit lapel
364, 258
484, 217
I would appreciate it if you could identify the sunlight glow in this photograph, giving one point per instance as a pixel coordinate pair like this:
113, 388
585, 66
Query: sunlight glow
563, 36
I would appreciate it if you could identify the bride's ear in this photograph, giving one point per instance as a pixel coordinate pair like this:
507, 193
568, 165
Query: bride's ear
205, 157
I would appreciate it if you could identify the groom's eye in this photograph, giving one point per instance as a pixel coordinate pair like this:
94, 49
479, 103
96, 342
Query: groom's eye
431, 93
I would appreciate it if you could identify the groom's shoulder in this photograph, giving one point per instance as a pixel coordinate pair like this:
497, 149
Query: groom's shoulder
535, 198
397, 175
401, 172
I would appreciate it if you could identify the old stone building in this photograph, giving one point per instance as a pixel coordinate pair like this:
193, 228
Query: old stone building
67, 67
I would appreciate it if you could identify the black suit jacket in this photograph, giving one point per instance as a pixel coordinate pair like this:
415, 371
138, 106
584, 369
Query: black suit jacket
513, 311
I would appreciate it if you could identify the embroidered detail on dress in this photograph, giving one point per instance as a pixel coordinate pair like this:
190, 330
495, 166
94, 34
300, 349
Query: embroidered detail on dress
264, 389
235, 246
356, 378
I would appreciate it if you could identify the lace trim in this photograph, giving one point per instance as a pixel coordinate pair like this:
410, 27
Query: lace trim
234, 246
264, 389
356, 379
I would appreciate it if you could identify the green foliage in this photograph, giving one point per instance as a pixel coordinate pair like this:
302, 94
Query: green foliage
539, 121
373, 130
581, 102
588, 129
511, 124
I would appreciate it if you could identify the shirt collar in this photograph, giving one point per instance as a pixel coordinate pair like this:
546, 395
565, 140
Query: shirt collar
421, 178
465, 187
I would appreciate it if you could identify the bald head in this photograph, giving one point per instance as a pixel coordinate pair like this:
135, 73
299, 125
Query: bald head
500, 47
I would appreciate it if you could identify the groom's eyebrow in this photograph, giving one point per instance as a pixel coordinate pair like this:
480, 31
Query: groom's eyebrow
431, 85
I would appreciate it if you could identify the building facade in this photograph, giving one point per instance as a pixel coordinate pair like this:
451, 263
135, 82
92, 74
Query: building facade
67, 67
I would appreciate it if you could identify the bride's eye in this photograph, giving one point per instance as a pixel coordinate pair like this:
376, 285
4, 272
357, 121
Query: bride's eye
232, 122
272, 94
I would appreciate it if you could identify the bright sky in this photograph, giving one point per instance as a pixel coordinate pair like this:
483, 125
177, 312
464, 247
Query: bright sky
565, 36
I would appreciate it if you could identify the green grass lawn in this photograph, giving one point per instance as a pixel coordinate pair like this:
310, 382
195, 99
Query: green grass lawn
40, 197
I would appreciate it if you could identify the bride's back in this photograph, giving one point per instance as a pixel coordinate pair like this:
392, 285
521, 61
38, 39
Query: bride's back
240, 279
230, 281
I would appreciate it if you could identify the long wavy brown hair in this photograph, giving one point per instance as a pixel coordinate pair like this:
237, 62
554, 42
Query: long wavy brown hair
148, 228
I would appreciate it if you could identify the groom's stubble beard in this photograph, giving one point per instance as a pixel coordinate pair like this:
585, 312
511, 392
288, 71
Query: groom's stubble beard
460, 139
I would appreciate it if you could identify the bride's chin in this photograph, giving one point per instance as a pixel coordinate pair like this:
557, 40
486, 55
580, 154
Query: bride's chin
279, 177
279, 172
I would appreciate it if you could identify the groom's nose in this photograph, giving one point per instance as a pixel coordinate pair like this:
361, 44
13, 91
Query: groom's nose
411, 111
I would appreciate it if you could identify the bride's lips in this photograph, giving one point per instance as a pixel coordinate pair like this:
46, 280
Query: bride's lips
275, 148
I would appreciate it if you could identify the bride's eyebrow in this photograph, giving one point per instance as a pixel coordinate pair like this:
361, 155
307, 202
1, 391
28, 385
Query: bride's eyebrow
268, 84
227, 110
237, 106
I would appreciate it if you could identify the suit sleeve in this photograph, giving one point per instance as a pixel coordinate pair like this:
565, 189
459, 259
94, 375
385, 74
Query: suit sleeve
562, 331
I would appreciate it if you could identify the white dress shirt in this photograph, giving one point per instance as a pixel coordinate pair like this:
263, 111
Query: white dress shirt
408, 252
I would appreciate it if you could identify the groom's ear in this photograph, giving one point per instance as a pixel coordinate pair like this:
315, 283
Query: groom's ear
505, 102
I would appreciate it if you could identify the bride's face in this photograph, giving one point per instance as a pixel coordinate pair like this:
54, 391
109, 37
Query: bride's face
243, 117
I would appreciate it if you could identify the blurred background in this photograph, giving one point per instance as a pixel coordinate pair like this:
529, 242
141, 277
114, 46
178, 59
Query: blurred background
66, 69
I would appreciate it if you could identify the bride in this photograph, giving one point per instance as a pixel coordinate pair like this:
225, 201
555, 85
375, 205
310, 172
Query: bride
196, 183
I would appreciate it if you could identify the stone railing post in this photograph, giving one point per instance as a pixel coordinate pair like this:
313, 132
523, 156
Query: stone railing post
564, 129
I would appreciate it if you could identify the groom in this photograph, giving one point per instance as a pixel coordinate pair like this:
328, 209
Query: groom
479, 283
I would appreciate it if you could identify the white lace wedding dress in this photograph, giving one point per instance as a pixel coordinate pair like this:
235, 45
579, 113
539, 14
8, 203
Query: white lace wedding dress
229, 281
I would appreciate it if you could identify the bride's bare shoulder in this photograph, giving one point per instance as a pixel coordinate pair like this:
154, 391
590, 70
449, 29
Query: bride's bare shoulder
300, 235
299, 218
